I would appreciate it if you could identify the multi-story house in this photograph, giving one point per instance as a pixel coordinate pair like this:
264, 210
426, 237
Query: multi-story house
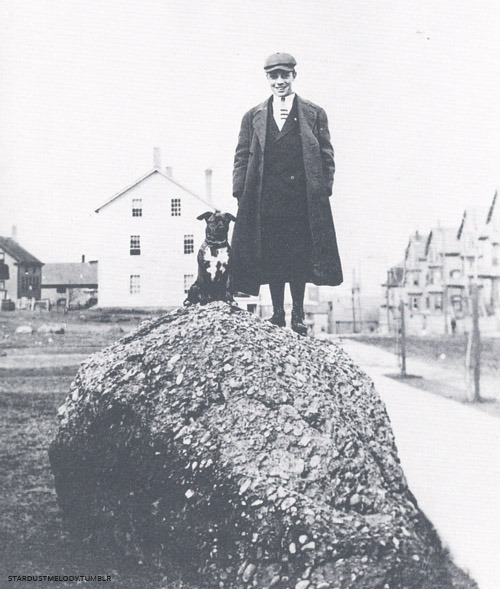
489, 260
388, 318
414, 272
148, 240
440, 269
443, 296
20, 274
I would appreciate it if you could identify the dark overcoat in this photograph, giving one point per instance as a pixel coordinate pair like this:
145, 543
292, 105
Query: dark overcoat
317, 151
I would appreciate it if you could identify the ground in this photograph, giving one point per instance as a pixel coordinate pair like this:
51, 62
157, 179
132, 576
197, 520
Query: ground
450, 454
431, 348
36, 373
439, 364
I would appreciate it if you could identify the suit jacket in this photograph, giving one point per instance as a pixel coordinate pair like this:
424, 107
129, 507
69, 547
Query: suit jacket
248, 172
284, 181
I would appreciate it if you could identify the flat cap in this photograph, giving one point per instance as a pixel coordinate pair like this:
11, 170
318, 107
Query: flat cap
280, 61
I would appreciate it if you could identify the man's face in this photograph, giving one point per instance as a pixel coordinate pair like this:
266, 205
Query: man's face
281, 82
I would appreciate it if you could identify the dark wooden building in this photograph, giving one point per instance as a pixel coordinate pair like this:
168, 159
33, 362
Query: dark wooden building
20, 273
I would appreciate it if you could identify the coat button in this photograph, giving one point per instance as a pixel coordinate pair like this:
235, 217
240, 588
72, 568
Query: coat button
292, 177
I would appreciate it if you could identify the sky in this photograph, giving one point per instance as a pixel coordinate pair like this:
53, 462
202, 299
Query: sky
89, 87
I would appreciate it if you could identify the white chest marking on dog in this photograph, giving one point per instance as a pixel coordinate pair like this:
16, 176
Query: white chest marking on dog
217, 262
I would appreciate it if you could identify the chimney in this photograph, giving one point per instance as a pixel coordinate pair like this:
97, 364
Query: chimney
157, 158
168, 171
14, 232
208, 185
83, 258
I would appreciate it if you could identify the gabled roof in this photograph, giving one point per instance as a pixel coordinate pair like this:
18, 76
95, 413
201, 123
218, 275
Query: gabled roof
150, 173
444, 240
17, 252
492, 208
416, 242
474, 218
69, 274
395, 275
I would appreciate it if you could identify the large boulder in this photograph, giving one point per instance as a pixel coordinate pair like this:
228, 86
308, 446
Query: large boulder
252, 456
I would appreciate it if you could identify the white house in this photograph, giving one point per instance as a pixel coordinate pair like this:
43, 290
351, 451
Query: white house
148, 240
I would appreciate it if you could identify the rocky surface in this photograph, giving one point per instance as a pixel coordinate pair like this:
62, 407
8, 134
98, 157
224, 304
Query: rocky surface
252, 456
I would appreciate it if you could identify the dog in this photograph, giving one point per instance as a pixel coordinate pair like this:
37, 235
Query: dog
212, 283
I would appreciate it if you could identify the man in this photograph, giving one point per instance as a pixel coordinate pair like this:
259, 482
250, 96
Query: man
282, 178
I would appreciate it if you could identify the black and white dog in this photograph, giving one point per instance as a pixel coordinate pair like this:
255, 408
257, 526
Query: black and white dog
212, 283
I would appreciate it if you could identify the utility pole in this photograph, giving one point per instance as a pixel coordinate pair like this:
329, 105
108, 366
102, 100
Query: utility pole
473, 355
387, 299
444, 280
360, 314
403, 337
353, 292
330, 317
476, 344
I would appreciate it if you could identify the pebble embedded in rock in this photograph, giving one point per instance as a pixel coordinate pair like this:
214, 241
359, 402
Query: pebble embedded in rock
248, 572
315, 460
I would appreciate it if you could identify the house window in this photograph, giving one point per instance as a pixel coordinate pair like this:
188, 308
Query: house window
188, 280
415, 303
135, 284
456, 301
137, 207
188, 244
175, 207
135, 245
438, 302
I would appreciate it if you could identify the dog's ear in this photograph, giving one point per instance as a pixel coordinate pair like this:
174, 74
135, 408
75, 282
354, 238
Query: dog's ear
204, 216
230, 217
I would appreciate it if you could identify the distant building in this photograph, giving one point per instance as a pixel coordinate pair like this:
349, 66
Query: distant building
437, 273
70, 284
148, 238
393, 288
414, 271
479, 234
20, 274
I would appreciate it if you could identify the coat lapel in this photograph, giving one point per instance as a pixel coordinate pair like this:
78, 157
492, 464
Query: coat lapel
307, 120
260, 123
306, 115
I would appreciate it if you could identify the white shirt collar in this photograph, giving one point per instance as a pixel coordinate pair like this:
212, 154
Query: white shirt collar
277, 100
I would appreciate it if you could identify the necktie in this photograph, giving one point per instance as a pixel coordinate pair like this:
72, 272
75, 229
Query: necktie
283, 112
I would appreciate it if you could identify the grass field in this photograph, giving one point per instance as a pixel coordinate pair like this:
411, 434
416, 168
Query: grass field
35, 375
432, 349
444, 370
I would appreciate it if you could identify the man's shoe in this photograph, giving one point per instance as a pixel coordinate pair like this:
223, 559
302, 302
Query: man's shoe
298, 322
278, 317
